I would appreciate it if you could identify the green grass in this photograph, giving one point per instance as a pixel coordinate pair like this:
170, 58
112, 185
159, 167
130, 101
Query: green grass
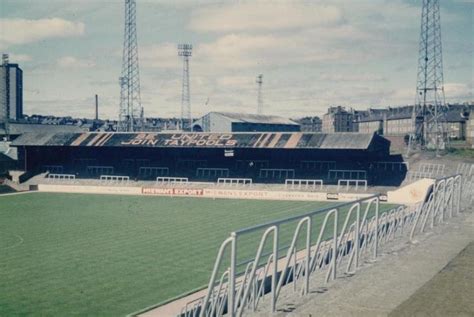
97, 255
461, 152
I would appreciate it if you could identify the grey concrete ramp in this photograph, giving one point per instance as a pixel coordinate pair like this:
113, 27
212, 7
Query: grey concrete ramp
407, 280
449, 293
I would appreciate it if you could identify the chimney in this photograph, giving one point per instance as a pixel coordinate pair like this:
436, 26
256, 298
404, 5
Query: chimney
97, 107
5, 59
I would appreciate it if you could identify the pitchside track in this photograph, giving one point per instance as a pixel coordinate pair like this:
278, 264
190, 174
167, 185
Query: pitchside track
64, 254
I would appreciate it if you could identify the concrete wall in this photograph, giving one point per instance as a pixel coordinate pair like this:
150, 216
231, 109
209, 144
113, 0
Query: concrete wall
203, 192
411, 194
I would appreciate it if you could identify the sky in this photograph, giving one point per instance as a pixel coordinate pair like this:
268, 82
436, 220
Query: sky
312, 54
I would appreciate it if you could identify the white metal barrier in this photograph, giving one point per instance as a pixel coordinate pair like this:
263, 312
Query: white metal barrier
171, 180
234, 181
208, 172
348, 182
466, 169
347, 174
152, 171
432, 168
55, 169
100, 170
318, 165
316, 250
114, 179
304, 184
417, 175
61, 177
392, 166
276, 173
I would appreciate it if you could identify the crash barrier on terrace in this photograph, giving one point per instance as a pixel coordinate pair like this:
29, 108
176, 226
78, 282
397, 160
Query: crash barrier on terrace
152, 172
60, 178
208, 172
445, 201
417, 175
234, 182
56, 169
433, 169
318, 165
114, 179
347, 183
171, 180
240, 280
392, 166
347, 174
100, 170
304, 184
466, 169
276, 173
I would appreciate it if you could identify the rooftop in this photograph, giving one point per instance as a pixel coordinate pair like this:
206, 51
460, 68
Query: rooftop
347, 141
255, 118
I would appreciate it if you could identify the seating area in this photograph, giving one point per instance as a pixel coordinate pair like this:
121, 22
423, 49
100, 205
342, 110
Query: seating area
303, 172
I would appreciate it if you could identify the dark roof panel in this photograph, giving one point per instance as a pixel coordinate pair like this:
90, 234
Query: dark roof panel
357, 141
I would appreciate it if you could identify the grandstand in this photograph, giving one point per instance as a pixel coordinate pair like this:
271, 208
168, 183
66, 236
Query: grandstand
205, 157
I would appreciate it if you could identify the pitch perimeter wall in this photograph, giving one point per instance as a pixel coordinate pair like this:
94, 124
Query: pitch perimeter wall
217, 193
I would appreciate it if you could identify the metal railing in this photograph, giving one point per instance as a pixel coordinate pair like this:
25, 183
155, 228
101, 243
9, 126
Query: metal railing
114, 179
245, 182
61, 177
346, 184
432, 168
319, 246
152, 171
352, 174
276, 173
392, 166
171, 180
304, 184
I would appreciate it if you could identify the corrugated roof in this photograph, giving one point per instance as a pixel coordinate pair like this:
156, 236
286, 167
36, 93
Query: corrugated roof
255, 118
356, 141
347, 141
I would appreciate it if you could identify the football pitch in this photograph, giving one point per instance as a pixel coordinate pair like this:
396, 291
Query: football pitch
102, 255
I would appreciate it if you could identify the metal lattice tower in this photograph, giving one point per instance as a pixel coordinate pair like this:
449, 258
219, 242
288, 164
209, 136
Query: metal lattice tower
131, 111
259, 81
429, 128
185, 50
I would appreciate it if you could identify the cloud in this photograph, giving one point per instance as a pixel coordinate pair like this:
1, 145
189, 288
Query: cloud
263, 16
22, 31
17, 58
163, 55
73, 62
458, 91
